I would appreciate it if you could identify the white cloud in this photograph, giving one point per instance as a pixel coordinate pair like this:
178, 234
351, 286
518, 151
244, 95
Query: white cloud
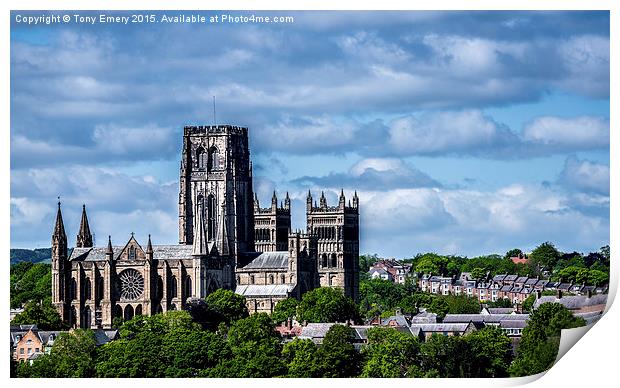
584, 175
447, 132
583, 132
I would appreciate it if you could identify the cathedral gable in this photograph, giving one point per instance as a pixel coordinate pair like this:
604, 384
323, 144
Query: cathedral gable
132, 251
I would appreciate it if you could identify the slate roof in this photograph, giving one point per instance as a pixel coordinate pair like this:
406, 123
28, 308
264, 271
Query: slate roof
522, 279
531, 281
500, 310
160, 252
542, 283
506, 288
590, 317
512, 324
498, 278
271, 260
280, 290
399, 319
436, 327
573, 302
486, 318
315, 330
511, 278
424, 317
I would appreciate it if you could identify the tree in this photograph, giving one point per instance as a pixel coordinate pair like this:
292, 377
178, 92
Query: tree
326, 304
544, 256
43, 314
337, 356
516, 252
443, 356
72, 355
390, 353
597, 278
285, 309
462, 304
439, 306
188, 352
540, 340
255, 349
412, 303
490, 352
138, 356
502, 302
478, 274
380, 295
229, 305
30, 282
300, 357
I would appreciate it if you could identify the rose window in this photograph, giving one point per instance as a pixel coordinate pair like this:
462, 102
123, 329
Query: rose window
132, 284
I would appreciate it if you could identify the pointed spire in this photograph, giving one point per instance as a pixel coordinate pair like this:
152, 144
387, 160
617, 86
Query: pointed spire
84, 237
355, 200
287, 202
59, 238
341, 193
59, 228
109, 250
149, 246
341, 200
323, 200
274, 200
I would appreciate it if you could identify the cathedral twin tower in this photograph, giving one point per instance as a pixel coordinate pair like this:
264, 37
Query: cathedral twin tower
226, 240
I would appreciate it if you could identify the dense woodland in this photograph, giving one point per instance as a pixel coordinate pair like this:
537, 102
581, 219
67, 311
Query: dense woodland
217, 338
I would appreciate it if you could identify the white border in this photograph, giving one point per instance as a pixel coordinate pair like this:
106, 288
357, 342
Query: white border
592, 361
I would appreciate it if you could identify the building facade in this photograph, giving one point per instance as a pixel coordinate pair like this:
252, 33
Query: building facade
226, 240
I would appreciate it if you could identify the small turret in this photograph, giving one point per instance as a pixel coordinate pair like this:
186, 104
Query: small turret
323, 200
341, 199
149, 249
355, 200
109, 253
274, 200
256, 203
309, 201
84, 237
287, 202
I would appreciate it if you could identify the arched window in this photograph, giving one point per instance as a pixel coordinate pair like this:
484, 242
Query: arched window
200, 158
73, 289
86, 318
213, 162
138, 310
160, 288
270, 279
188, 286
87, 291
132, 253
282, 279
334, 261
173, 288
251, 279
238, 279
128, 312
323, 260
99, 289
211, 211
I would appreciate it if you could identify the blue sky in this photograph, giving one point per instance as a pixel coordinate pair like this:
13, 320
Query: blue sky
463, 132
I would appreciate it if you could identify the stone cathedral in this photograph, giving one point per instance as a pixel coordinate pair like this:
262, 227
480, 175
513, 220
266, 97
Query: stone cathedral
226, 240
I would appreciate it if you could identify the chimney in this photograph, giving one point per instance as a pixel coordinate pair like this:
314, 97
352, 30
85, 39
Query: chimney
538, 294
589, 293
559, 294
289, 323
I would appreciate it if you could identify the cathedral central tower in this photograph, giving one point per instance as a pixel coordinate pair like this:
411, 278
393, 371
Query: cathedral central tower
216, 207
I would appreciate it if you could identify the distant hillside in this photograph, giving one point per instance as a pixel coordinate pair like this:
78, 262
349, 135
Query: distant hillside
34, 256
